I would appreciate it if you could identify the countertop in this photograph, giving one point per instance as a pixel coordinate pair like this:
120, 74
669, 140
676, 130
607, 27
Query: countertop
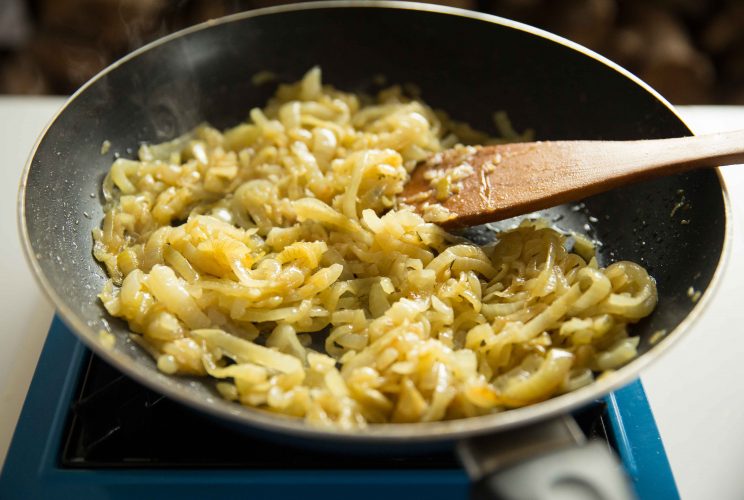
694, 390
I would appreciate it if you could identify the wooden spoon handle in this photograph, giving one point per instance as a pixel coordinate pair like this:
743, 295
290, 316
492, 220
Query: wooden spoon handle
630, 160
578, 169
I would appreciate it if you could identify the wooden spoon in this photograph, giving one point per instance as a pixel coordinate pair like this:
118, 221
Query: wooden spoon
489, 183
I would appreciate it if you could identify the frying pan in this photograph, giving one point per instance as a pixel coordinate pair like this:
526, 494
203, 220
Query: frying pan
465, 63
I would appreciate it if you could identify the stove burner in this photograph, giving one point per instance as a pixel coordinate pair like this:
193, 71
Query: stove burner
117, 423
88, 432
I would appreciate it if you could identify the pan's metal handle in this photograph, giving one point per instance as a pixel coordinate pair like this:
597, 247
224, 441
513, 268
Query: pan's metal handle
544, 461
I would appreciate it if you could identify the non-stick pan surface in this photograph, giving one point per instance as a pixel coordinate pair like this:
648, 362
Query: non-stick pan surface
467, 64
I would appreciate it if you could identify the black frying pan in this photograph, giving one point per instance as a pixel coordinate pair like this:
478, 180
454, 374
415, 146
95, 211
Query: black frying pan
467, 64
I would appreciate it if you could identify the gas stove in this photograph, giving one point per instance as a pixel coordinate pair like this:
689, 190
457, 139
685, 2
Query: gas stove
87, 431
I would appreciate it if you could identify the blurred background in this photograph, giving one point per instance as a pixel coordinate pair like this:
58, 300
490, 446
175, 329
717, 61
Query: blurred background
692, 51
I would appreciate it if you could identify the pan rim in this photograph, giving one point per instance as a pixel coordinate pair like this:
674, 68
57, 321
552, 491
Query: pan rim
428, 432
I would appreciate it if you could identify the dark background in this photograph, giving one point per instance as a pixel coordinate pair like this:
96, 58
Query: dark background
692, 51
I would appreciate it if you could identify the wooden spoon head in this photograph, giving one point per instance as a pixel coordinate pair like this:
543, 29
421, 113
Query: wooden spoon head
471, 185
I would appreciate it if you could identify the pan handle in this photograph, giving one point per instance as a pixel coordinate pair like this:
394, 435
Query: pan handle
548, 460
